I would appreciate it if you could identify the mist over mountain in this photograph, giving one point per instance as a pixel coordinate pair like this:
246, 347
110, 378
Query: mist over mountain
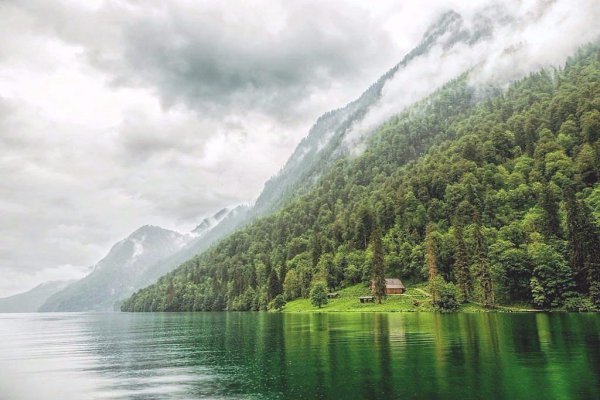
207, 233
210, 222
496, 43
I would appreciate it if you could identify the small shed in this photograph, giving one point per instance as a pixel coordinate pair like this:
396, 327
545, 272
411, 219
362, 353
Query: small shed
392, 286
333, 295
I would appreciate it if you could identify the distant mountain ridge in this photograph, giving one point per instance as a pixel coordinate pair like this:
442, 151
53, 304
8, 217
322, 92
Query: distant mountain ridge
31, 300
137, 261
119, 273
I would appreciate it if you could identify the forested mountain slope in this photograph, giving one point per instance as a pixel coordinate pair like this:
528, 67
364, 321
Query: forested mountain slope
498, 199
325, 141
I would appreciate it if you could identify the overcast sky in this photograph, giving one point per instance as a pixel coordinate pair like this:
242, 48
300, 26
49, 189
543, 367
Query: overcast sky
117, 114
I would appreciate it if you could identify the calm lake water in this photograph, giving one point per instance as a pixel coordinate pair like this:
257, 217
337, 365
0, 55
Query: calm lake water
304, 356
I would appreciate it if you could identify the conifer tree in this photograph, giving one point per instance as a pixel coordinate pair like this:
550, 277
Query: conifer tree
549, 203
481, 263
365, 226
378, 281
274, 286
584, 246
461, 265
316, 247
431, 260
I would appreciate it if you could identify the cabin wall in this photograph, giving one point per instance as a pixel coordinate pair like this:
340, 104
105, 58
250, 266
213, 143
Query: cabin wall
394, 291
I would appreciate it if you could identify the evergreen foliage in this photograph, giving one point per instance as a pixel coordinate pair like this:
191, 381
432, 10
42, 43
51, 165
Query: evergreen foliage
378, 281
499, 192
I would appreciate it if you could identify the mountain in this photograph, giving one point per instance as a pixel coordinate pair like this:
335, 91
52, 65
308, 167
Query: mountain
493, 196
126, 268
207, 233
323, 145
356, 169
31, 300
139, 260
327, 140
209, 223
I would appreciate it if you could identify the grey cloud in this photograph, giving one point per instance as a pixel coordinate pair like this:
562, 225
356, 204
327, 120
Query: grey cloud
219, 59
207, 62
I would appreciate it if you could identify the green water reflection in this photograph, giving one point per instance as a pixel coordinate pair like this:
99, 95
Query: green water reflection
341, 356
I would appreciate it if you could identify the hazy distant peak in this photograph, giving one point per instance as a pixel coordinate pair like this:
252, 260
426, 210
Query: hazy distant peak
210, 222
32, 299
150, 230
120, 272
449, 20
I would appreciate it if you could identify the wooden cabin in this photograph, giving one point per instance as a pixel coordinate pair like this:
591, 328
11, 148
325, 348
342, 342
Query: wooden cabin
393, 286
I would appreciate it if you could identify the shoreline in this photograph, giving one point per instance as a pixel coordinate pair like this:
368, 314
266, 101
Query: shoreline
416, 299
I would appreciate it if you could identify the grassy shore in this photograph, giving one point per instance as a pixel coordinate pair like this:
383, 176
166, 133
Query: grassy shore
415, 299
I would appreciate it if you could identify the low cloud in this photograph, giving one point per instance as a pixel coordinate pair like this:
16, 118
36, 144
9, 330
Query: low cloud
519, 38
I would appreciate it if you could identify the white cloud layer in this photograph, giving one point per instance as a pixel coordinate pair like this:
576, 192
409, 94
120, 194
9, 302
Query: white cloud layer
525, 36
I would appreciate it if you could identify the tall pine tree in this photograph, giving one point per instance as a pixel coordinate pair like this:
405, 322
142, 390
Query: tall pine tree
481, 263
431, 260
548, 201
584, 246
274, 286
378, 281
461, 264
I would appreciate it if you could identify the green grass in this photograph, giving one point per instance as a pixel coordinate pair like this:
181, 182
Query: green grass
415, 299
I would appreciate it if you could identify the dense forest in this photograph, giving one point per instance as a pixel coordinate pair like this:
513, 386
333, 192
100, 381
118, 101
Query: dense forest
493, 197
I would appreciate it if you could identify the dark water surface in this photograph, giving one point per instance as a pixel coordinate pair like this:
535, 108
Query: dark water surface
304, 356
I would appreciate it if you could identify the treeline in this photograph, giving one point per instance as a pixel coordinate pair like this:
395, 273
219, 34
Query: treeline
497, 203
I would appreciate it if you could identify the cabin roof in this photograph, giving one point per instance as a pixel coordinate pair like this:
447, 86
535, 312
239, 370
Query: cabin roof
394, 283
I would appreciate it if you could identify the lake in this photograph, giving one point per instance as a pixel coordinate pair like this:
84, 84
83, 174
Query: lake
286, 356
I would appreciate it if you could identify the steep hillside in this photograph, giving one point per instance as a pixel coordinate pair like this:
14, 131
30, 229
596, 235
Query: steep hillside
31, 300
496, 199
451, 46
207, 233
325, 142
